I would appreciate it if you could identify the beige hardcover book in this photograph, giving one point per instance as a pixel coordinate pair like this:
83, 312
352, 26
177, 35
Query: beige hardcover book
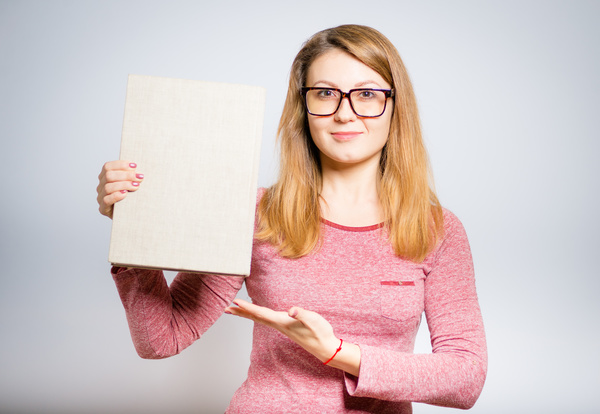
197, 144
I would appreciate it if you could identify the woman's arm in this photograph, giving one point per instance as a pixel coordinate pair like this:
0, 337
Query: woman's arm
165, 320
454, 373
308, 329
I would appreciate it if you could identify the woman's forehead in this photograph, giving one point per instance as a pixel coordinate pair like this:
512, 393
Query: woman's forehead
338, 69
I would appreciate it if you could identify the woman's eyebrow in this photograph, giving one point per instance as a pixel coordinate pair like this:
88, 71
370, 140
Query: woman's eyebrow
356, 85
330, 84
368, 82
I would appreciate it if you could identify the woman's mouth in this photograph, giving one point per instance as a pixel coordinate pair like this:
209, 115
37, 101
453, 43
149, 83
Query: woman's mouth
345, 135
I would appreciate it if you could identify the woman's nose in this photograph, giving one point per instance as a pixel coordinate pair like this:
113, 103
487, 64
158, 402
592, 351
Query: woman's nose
345, 112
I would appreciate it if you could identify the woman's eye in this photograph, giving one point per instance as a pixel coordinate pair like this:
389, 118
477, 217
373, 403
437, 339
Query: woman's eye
366, 94
327, 93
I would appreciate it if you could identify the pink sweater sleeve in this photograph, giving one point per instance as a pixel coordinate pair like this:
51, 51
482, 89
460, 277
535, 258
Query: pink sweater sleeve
163, 319
454, 373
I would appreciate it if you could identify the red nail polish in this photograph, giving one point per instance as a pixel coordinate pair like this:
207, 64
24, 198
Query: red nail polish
133, 165
135, 183
124, 191
140, 176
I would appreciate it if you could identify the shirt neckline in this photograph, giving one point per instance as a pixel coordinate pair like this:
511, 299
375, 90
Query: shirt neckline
348, 228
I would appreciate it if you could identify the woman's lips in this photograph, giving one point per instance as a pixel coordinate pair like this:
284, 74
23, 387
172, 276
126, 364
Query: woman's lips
345, 135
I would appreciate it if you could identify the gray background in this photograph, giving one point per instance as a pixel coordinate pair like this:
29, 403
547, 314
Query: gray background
508, 93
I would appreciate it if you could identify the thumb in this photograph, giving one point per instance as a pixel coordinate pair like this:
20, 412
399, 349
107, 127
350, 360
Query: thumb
295, 312
302, 315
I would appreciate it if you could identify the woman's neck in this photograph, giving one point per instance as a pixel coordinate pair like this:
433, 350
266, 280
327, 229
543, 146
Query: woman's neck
350, 197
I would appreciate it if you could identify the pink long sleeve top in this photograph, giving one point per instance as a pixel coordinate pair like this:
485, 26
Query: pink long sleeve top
370, 296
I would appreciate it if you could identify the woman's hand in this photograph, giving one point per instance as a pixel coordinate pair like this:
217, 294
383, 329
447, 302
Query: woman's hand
116, 179
308, 329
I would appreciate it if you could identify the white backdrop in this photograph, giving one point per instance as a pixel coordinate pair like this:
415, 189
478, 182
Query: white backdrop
508, 93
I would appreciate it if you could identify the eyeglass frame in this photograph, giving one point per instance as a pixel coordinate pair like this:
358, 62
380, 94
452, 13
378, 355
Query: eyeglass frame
389, 93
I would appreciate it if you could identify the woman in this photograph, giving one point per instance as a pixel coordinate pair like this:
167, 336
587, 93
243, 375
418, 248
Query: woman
351, 246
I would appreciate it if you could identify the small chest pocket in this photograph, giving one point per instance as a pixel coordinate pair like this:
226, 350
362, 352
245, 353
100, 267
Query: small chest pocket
401, 299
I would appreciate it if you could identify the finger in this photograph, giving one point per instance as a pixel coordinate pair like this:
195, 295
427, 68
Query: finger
293, 312
109, 194
110, 199
120, 186
119, 165
253, 316
120, 175
106, 205
311, 320
258, 311
116, 179
303, 315
261, 313
234, 310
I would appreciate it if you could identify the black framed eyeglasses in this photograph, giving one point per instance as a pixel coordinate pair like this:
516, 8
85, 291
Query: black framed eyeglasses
365, 102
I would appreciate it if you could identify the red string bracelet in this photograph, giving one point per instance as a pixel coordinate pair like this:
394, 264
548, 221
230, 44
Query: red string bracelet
336, 352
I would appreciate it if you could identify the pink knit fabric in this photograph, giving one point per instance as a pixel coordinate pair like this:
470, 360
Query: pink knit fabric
369, 295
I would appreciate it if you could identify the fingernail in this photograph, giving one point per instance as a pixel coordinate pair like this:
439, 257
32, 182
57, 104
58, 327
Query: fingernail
133, 165
294, 313
135, 183
228, 312
140, 176
123, 191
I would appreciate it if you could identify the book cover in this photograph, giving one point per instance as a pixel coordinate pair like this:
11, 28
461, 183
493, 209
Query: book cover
197, 144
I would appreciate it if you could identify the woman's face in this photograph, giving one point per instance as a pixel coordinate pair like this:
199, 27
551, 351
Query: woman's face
345, 139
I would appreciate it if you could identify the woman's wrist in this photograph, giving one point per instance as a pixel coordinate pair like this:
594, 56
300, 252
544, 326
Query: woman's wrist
347, 358
339, 348
327, 349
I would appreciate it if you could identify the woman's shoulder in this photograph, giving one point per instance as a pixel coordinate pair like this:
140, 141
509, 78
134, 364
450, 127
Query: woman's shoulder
454, 236
260, 193
451, 220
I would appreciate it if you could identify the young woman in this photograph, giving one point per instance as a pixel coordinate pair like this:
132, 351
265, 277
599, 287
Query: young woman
351, 246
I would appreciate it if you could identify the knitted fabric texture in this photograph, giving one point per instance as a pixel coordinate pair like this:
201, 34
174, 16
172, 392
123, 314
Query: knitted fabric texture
370, 296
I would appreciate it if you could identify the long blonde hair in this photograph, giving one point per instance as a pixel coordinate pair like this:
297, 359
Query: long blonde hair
289, 214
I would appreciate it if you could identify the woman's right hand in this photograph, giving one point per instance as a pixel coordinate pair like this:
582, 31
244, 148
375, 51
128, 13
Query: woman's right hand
116, 179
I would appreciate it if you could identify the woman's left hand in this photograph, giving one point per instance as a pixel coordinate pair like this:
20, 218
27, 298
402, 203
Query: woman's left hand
308, 329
